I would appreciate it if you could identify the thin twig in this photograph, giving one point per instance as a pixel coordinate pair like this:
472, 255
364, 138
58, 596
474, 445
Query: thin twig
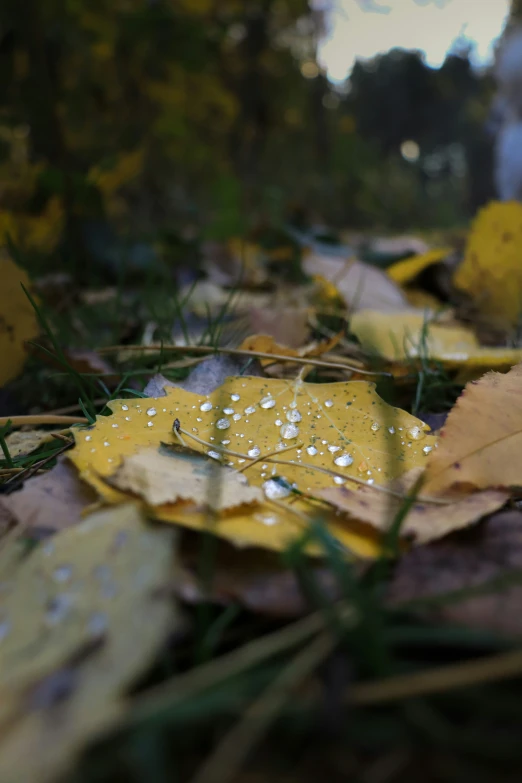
208, 349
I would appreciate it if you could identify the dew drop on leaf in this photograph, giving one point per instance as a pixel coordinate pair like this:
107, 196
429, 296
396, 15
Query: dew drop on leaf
293, 416
255, 451
289, 431
151, 411
267, 402
343, 460
274, 490
223, 424
205, 406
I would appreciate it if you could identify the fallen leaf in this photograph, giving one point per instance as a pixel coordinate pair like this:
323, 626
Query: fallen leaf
410, 335
263, 343
18, 322
362, 286
52, 501
90, 589
205, 378
481, 440
341, 427
24, 442
464, 561
491, 273
167, 477
287, 325
403, 272
424, 521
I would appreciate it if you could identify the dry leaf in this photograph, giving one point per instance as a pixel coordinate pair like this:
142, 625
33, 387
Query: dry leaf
405, 271
167, 477
407, 335
21, 443
341, 427
75, 613
491, 272
262, 343
362, 286
53, 501
287, 325
17, 319
424, 521
461, 562
481, 441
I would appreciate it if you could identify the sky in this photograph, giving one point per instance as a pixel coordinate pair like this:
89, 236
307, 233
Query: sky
433, 26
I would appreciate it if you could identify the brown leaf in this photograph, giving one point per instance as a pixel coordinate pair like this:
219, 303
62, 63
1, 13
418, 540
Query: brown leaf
466, 560
424, 521
52, 501
287, 325
481, 442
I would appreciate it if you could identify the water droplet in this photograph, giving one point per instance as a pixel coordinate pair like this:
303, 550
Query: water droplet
278, 422
289, 431
333, 449
416, 433
328, 403
127, 418
234, 397
205, 406
339, 480
228, 411
267, 402
125, 407
93, 451
223, 424
251, 409
343, 460
370, 481
114, 426
255, 451
266, 519
88, 437
236, 416
375, 426
151, 411
311, 450
97, 624
106, 443
150, 424
62, 573
214, 454
58, 608
293, 416
275, 490
427, 449
293, 404
225, 442
391, 430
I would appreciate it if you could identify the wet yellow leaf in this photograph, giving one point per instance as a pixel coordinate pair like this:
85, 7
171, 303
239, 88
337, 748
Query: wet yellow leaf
399, 336
341, 427
183, 475
481, 441
73, 614
17, 320
491, 272
404, 272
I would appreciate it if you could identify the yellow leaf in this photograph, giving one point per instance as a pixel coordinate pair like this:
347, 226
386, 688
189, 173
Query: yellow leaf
404, 272
481, 441
491, 272
75, 609
341, 427
399, 336
17, 320
424, 521
167, 477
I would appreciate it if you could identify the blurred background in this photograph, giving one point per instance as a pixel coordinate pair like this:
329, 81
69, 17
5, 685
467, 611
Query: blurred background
128, 125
